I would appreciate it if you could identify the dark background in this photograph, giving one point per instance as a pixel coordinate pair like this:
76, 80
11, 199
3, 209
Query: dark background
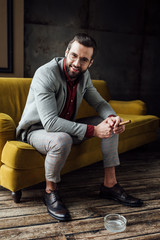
127, 33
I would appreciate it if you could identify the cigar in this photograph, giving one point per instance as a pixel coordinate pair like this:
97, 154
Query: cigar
125, 122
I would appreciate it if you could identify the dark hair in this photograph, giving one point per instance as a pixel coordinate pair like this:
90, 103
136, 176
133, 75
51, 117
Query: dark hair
85, 40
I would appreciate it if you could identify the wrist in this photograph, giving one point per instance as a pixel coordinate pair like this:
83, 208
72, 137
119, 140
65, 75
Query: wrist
95, 131
111, 116
89, 131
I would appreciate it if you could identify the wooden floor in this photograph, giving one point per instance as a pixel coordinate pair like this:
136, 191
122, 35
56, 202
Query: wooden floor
139, 174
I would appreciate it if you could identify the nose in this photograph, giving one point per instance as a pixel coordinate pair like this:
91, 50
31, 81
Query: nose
77, 62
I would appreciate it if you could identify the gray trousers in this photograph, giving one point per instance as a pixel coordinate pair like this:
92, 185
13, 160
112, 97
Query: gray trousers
57, 146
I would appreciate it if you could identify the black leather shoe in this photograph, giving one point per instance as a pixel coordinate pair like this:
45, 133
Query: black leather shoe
118, 193
55, 206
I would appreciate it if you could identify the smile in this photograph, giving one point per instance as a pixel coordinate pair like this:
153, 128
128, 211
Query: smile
74, 69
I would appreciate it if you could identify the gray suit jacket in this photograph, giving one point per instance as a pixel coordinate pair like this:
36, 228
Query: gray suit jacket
47, 97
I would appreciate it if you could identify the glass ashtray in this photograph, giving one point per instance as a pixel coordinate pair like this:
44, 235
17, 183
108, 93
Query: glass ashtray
115, 223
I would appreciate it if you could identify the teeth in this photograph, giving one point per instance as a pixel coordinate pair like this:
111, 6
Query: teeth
76, 69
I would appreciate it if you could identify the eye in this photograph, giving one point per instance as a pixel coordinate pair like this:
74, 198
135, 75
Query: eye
84, 60
73, 55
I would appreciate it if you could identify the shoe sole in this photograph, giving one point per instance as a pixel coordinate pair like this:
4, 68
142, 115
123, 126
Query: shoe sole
117, 200
58, 218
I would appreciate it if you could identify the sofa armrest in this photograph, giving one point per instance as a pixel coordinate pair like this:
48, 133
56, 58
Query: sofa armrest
135, 107
7, 130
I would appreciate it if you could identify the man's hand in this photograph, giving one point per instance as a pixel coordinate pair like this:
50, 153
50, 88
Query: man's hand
108, 126
116, 128
104, 129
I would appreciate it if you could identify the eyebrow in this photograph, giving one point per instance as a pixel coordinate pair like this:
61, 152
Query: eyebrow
84, 58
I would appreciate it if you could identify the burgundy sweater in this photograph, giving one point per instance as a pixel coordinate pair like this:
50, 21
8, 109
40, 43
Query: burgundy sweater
70, 104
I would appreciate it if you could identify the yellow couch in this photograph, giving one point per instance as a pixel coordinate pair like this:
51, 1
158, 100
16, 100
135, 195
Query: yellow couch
22, 166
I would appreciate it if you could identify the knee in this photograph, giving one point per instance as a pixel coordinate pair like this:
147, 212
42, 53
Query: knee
63, 142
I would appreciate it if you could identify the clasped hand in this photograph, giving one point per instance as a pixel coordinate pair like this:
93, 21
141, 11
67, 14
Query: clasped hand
108, 126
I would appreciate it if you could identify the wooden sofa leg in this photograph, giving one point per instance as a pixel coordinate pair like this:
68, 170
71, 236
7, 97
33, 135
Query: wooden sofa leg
17, 196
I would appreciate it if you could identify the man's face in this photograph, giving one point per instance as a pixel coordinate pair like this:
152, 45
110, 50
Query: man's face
78, 59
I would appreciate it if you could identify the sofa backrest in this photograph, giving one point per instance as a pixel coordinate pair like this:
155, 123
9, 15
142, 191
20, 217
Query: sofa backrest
13, 95
14, 92
85, 109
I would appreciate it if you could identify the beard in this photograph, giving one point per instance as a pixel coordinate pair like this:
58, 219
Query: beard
73, 71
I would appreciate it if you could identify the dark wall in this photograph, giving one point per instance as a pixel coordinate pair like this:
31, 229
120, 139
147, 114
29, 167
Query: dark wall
127, 34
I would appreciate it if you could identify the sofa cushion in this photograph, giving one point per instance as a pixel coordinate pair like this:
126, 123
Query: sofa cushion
135, 107
20, 155
140, 124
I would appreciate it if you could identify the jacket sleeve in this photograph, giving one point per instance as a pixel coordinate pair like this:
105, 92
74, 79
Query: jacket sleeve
46, 102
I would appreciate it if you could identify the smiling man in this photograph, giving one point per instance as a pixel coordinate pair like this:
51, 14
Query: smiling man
78, 59
48, 122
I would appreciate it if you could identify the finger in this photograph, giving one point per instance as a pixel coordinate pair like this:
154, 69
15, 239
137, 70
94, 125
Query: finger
111, 122
119, 130
118, 120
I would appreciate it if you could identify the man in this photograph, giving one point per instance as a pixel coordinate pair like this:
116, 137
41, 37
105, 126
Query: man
48, 121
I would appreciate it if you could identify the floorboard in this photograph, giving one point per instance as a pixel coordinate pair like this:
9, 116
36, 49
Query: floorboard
138, 173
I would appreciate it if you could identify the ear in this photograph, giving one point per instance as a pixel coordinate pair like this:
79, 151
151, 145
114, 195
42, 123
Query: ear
91, 62
66, 52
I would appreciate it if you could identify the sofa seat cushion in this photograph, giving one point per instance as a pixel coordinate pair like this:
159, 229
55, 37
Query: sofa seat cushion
20, 155
140, 124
